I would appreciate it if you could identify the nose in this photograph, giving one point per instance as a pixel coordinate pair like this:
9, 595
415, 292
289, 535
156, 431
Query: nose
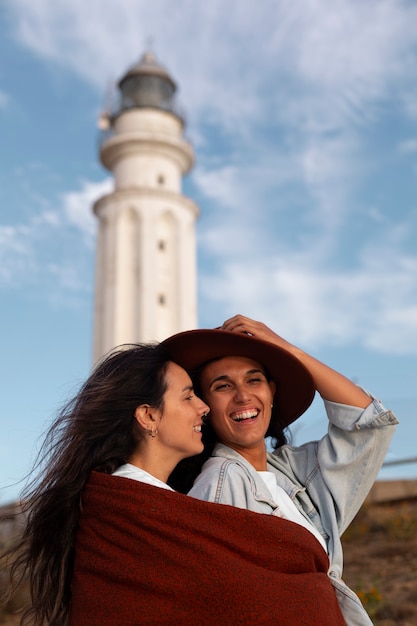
242, 395
204, 408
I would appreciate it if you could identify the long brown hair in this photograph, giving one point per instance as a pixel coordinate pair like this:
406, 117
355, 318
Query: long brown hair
94, 430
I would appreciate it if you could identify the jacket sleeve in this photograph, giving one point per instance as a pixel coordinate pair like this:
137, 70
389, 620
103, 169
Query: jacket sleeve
353, 452
345, 463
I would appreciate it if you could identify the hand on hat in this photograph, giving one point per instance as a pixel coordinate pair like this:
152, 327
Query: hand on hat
330, 384
242, 324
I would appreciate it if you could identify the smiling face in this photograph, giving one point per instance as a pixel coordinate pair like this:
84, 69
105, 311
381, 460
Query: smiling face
240, 398
180, 420
171, 432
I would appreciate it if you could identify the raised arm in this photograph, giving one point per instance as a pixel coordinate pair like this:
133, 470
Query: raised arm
330, 384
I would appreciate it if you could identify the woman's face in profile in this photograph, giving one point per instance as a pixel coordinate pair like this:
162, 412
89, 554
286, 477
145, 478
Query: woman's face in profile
240, 399
179, 425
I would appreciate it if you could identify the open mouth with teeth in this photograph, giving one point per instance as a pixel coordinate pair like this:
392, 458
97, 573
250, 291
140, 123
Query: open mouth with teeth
245, 415
197, 429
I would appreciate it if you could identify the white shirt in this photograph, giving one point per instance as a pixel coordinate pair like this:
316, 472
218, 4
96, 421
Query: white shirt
136, 473
287, 507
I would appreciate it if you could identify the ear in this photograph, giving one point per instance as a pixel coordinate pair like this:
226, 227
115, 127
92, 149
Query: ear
146, 416
272, 387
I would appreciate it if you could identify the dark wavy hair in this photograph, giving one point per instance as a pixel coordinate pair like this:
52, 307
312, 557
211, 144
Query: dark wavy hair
96, 430
183, 476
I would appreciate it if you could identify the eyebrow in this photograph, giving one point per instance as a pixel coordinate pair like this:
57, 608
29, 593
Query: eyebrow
188, 388
227, 377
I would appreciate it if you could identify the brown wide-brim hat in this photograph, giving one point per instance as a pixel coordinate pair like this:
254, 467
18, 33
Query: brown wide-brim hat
295, 386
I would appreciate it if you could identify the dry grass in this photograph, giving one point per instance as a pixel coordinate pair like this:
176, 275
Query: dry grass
380, 550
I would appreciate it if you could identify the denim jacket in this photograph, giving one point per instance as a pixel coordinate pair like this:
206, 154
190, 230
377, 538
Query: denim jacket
328, 480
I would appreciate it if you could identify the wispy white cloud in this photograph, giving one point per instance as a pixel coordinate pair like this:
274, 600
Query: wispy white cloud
291, 93
341, 57
313, 305
329, 170
43, 246
77, 205
408, 146
15, 254
299, 69
309, 294
4, 99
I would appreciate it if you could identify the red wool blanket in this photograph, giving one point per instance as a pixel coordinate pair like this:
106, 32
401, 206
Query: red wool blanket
146, 555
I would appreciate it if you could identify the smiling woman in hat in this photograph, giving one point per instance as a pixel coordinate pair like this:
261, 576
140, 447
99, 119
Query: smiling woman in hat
105, 542
256, 384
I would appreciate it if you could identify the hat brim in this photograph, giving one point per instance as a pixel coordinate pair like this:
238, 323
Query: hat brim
295, 386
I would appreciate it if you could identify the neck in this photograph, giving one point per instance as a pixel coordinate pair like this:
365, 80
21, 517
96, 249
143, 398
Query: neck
152, 461
256, 456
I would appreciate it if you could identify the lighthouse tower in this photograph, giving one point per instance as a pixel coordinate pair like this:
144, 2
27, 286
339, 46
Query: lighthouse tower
146, 253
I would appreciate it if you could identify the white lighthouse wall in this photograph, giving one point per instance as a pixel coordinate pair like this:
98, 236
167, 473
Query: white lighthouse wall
146, 254
147, 169
146, 277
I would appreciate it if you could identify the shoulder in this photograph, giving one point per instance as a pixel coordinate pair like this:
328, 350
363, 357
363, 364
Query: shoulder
222, 480
218, 469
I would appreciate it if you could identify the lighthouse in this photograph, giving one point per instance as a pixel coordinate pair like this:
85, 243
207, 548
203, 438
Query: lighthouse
146, 251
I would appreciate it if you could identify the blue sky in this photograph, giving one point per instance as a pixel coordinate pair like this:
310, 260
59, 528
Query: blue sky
303, 117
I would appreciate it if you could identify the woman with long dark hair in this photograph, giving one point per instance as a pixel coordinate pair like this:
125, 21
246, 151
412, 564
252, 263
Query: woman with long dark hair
106, 541
256, 383
136, 417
